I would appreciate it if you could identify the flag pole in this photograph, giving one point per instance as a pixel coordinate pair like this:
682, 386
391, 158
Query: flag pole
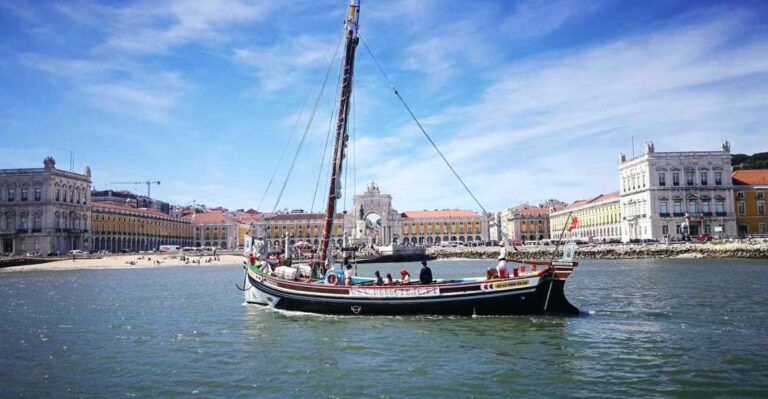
562, 232
551, 266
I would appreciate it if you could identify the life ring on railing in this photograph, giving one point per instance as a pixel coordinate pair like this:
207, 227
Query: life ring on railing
331, 279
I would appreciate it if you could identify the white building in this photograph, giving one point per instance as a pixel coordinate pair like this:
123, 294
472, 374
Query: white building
668, 194
44, 210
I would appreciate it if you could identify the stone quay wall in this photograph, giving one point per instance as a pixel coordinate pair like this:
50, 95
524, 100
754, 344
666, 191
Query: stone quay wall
743, 249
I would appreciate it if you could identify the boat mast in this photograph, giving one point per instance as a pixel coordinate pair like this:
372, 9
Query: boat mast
334, 190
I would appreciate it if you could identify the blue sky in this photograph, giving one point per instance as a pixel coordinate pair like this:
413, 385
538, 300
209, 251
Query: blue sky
530, 100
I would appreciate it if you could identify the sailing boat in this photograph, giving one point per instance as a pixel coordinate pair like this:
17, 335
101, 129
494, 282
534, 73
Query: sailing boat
533, 287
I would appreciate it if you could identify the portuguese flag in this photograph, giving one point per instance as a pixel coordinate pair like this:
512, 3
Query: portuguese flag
574, 222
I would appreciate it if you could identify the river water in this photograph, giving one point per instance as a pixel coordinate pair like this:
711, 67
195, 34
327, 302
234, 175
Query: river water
650, 328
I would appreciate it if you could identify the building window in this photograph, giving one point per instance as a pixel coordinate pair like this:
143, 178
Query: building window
760, 195
663, 208
38, 193
740, 195
707, 229
691, 207
760, 207
677, 207
78, 197
664, 229
704, 178
705, 206
57, 195
24, 194
11, 194
662, 179
65, 196
718, 178
720, 207
689, 177
36, 222
675, 178
761, 228
23, 220
10, 222
741, 208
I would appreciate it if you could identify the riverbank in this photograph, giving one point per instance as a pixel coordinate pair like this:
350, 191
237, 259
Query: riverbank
129, 262
756, 250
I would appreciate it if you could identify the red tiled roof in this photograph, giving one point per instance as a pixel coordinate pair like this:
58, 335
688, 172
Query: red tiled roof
601, 197
300, 216
534, 211
443, 213
207, 218
755, 177
153, 212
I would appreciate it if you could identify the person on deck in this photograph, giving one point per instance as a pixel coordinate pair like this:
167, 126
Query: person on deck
388, 279
379, 280
348, 275
405, 277
425, 276
501, 268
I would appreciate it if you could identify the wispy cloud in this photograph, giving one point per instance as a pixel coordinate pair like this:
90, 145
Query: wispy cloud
286, 61
536, 18
152, 27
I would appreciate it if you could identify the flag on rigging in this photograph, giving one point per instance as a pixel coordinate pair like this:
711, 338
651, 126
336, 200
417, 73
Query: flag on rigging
574, 222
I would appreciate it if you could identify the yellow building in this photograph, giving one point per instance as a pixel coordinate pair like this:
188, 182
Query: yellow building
749, 188
300, 226
433, 227
599, 219
122, 228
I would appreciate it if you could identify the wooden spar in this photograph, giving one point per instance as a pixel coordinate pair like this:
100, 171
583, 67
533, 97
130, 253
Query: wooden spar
341, 125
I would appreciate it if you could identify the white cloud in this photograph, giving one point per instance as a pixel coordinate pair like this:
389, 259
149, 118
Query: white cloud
536, 18
152, 27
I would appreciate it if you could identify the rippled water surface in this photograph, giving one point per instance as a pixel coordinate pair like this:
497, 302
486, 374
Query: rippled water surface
651, 328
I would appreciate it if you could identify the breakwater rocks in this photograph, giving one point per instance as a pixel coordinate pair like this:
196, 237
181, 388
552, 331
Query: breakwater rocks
723, 249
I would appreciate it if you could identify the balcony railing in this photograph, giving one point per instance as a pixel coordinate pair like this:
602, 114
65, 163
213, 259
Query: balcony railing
37, 230
21, 230
721, 213
707, 213
664, 214
678, 214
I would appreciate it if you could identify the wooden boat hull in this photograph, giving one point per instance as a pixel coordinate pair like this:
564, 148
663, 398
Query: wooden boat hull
531, 295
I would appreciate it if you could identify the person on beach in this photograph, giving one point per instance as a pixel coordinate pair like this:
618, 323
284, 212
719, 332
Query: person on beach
388, 279
379, 280
425, 275
405, 277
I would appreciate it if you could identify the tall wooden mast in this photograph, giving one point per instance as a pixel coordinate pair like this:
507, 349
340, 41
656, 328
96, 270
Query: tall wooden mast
340, 143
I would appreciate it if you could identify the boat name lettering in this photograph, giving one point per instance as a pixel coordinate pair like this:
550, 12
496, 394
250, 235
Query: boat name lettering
394, 292
504, 285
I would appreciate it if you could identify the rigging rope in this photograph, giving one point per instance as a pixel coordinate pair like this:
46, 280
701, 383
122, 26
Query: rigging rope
325, 150
309, 124
421, 127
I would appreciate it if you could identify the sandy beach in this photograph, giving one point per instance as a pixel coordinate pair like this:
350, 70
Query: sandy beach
129, 262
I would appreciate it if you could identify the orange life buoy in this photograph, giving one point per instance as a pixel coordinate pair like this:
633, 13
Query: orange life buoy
332, 279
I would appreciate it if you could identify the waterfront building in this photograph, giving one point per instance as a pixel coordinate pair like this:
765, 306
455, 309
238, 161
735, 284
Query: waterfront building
44, 210
670, 195
130, 199
300, 226
124, 228
525, 222
213, 229
750, 189
433, 227
495, 228
599, 219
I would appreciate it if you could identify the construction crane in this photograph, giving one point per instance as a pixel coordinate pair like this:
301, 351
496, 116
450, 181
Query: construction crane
147, 182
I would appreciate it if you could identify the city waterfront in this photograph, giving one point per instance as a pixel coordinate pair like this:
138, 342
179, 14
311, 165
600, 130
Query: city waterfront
649, 328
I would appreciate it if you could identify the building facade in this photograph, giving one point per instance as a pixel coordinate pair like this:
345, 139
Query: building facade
307, 227
433, 227
750, 188
525, 223
213, 229
44, 210
671, 195
599, 219
119, 228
